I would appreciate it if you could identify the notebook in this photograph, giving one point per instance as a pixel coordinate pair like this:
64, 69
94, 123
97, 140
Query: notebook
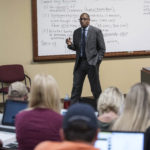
120, 140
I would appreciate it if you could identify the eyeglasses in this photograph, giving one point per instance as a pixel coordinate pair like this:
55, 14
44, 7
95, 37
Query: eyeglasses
84, 19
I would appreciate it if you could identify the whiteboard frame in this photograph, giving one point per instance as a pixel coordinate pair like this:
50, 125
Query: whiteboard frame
71, 56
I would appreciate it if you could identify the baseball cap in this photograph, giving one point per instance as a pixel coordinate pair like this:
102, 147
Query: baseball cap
17, 89
80, 112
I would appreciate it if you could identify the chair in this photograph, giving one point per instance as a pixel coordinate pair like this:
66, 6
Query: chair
10, 74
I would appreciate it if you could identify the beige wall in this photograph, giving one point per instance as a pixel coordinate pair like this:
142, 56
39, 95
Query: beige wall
16, 47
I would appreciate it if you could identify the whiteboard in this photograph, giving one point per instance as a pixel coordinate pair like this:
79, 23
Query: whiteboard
125, 25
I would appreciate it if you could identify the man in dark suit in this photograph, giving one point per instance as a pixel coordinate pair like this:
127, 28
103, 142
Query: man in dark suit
89, 45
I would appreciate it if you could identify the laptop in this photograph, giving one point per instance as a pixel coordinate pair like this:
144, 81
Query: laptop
11, 108
120, 140
7, 126
64, 111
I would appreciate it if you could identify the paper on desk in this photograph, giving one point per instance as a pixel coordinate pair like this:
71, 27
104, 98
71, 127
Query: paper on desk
7, 137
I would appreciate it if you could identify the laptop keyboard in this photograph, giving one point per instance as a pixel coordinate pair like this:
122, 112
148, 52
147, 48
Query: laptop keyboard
7, 129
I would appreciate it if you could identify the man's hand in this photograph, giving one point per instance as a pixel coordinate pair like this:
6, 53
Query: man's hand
68, 41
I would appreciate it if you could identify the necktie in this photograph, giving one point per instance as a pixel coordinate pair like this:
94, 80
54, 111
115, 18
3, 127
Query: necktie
83, 43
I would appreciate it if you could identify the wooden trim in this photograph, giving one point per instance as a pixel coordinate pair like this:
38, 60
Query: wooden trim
34, 29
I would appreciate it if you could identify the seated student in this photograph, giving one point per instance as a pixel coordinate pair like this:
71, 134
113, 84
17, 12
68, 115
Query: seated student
79, 130
136, 114
17, 91
41, 121
110, 105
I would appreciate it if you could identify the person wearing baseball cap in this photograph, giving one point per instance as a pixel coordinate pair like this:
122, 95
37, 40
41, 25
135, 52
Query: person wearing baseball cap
79, 130
18, 91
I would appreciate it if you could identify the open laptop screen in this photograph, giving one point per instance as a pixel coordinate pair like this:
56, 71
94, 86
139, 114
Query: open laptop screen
64, 111
119, 140
12, 107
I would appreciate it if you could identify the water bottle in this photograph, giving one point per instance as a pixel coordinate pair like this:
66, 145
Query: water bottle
66, 101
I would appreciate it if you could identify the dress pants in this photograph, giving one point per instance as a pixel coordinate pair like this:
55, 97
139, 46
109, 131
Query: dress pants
83, 69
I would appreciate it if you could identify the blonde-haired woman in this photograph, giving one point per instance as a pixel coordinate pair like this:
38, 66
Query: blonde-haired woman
41, 121
110, 106
136, 116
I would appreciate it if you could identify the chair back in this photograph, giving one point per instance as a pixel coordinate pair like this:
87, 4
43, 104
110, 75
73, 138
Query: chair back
11, 73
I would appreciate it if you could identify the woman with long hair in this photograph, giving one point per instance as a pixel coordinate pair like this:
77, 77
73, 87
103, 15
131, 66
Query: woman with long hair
136, 115
41, 121
110, 106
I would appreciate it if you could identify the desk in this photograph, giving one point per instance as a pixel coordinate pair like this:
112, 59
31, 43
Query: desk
145, 75
6, 137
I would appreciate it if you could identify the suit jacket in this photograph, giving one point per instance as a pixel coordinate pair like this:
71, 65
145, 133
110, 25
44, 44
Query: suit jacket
95, 46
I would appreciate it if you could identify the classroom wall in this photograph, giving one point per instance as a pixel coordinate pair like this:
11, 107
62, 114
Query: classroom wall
16, 48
